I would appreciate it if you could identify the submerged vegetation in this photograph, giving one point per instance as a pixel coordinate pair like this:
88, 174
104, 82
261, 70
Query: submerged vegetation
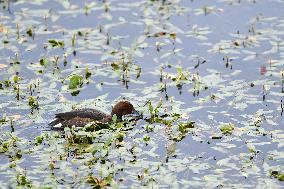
208, 77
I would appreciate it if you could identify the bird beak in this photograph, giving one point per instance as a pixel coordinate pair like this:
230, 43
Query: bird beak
136, 114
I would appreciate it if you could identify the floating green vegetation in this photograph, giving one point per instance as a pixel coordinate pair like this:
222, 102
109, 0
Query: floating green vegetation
56, 43
87, 73
210, 93
278, 175
75, 81
227, 128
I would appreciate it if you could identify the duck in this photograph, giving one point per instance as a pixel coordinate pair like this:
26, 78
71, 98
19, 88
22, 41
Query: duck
81, 117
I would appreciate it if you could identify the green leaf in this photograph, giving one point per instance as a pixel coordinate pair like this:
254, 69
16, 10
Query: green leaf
43, 62
38, 140
30, 32
227, 128
16, 79
55, 43
183, 127
76, 81
88, 74
281, 177
115, 66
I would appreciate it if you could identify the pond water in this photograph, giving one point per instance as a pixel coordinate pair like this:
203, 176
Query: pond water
219, 64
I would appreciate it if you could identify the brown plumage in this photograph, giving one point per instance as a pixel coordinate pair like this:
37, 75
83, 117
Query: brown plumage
82, 117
